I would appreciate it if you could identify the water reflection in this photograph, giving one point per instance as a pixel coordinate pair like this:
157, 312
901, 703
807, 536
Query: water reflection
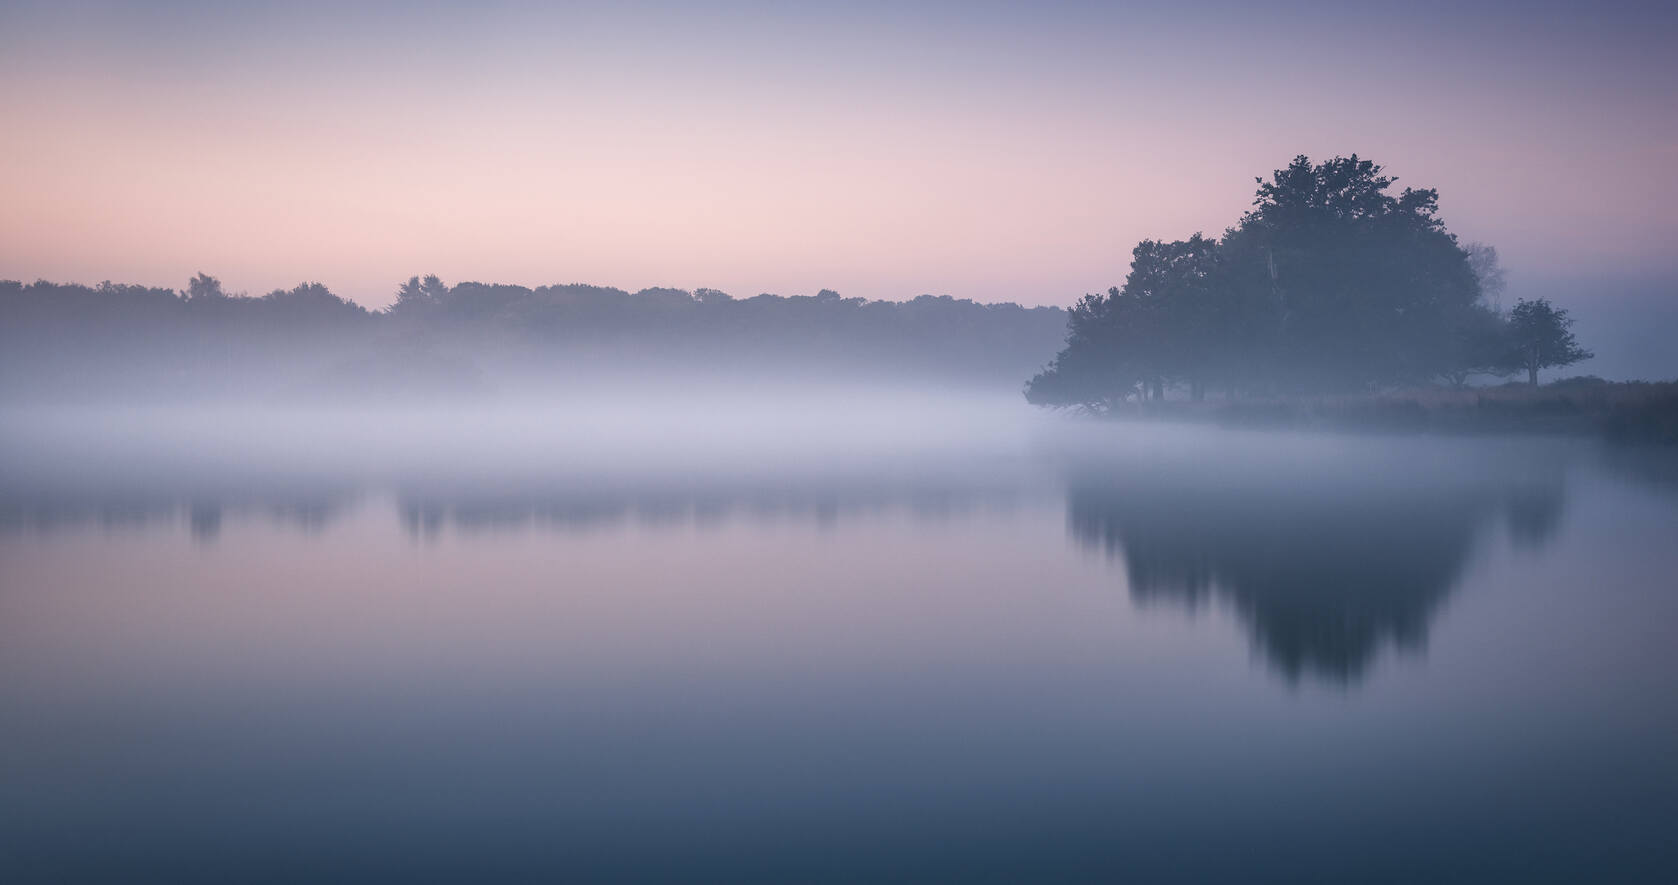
905, 653
44, 508
1649, 467
1328, 557
426, 506
1328, 549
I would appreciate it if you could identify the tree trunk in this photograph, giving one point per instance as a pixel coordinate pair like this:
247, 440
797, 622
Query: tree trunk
1532, 375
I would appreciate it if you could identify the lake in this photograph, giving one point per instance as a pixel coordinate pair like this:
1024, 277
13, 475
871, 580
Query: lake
904, 643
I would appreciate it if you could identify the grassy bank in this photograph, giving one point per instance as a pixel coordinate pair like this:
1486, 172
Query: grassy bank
1637, 411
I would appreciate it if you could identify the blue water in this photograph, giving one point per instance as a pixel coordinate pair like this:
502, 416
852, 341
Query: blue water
1117, 653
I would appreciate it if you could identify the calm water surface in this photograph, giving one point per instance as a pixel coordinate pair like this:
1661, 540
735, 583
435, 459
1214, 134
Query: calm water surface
1085, 653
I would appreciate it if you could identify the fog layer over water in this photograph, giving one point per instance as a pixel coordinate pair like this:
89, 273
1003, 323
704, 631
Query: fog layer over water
825, 636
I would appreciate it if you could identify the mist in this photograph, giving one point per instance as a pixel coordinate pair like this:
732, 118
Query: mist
871, 442
610, 585
650, 618
473, 342
1633, 317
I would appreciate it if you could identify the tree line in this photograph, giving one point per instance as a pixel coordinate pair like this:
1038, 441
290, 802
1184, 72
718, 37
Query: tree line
126, 340
1330, 283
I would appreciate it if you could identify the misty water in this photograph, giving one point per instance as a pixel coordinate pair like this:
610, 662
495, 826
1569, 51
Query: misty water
848, 638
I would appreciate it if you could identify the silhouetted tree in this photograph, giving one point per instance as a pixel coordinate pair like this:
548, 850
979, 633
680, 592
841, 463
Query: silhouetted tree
129, 341
1163, 325
1365, 286
204, 287
408, 295
417, 294
1330, 282
1191, 311
1102, 364
1481, 341
1540, 337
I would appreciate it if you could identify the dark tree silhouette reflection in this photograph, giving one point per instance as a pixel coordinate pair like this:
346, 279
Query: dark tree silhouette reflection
1326, 564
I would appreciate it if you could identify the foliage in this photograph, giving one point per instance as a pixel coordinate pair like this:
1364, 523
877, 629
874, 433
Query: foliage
1330, 283
1164, 322
128, 341
1541, 337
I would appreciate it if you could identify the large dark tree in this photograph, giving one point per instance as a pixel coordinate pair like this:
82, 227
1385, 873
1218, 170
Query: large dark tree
1541, 337
1331, 282
1105, 359
1176, 282
1365, 288
1163, 325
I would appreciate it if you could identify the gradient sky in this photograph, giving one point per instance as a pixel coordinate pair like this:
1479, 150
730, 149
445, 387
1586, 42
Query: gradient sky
992, 151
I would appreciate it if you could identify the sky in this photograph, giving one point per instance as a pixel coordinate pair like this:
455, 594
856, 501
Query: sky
982, 150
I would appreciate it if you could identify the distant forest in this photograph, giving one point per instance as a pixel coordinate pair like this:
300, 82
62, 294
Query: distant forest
130, 343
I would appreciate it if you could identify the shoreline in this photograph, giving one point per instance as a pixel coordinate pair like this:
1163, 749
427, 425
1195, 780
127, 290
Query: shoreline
1629, 411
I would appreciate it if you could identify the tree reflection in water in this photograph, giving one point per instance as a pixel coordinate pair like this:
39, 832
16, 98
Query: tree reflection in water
1326, 560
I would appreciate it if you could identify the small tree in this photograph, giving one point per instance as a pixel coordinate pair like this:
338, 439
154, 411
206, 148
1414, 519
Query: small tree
436, 291
416, 295
408, 295
1540, 337
203, 288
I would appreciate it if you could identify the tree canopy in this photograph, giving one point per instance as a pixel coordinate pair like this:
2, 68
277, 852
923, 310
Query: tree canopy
1541, 337
112, 340
1331, 283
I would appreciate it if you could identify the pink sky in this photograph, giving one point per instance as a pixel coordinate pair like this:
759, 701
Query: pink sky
997, 156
